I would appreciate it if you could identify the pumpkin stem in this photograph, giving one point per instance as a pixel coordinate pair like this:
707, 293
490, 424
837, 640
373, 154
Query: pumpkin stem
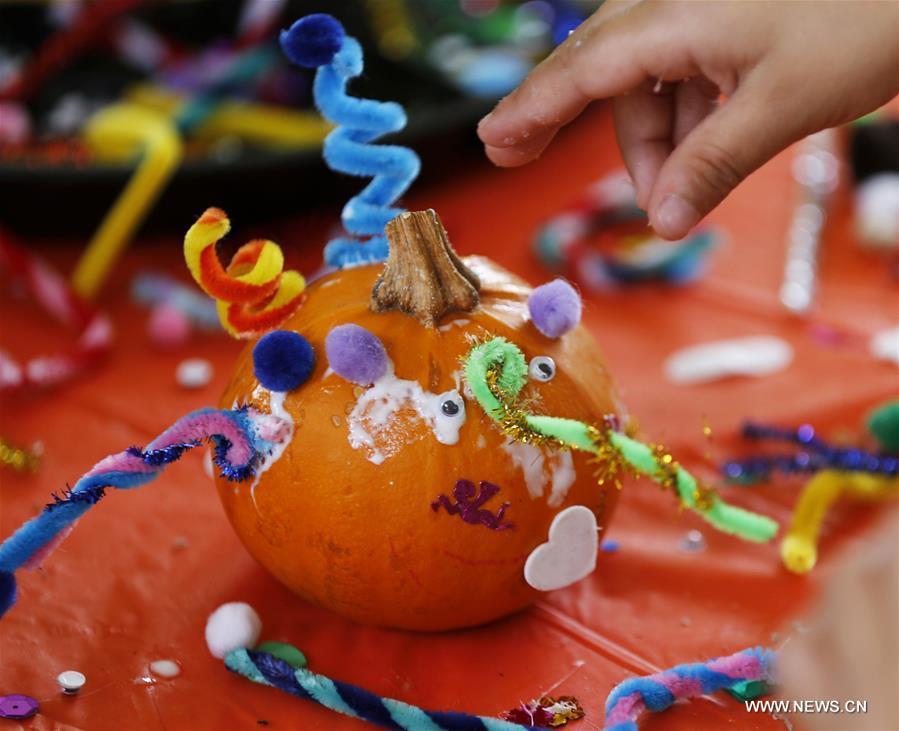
423, 277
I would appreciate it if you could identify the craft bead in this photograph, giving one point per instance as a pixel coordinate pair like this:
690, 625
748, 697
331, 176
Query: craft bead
194, 373
71, 681
165, 669
693, 541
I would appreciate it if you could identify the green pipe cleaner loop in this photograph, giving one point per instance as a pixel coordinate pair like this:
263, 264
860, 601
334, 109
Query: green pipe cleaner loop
496, 371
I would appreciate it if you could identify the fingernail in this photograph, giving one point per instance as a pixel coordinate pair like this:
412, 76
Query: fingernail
675, 216
485, 119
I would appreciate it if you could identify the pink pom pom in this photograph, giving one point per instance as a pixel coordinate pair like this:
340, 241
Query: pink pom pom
15, 124
168, 326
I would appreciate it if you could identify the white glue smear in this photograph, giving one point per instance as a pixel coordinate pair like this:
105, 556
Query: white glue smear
540, 466
563, 474
457, 379
276, 408
529, 459
461, 322
371, 420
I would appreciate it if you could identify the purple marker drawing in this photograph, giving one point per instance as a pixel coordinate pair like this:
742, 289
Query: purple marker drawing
468, 504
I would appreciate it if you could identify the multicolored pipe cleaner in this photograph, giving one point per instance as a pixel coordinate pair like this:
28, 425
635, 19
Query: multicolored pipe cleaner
496, 371
350, 700
153, 289
55, 295
654, 693
816, 454
603, 241
320, 41
253, 295
240, 437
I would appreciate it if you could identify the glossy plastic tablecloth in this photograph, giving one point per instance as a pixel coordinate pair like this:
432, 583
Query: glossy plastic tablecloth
138, 578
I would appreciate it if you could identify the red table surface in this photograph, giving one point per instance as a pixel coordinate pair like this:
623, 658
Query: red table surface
138, 578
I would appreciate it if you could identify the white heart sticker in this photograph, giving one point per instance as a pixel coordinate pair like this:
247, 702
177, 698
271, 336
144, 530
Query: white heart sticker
570, 553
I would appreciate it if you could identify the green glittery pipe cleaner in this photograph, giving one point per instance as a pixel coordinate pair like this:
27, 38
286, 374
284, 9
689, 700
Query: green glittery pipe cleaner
496, 371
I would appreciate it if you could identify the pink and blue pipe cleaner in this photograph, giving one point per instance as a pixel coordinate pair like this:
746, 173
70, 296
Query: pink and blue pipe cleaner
319, 41
240, 438
654, 693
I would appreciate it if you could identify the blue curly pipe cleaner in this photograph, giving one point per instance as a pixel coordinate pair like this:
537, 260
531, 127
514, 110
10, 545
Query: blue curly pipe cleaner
320, 41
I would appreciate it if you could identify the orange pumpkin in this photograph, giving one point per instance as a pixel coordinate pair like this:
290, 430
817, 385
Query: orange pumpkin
352, 528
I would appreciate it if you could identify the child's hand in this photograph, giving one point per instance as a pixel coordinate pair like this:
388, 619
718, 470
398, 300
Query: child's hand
787, 68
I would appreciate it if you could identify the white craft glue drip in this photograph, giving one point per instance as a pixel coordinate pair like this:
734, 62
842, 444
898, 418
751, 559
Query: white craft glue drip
534, 465
370, 420
276, 408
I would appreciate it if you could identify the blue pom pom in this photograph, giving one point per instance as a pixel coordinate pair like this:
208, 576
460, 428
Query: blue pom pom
313, 41
7, 591
283, 360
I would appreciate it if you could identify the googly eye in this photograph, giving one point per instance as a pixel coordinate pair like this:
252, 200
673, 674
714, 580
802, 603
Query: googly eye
542, 368
451, 406
449, 416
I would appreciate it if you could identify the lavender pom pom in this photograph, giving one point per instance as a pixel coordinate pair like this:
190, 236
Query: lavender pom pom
355, 354
555, 308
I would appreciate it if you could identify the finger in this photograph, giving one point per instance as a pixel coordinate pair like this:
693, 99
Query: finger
600, 59
738, 137
643, 125
528, 149
694, 100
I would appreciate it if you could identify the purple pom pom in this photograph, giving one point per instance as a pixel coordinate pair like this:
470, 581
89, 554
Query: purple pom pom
355, 354
7, 591
555, 308
313, 41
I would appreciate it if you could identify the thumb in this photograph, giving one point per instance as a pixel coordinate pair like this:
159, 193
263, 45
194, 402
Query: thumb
741, 135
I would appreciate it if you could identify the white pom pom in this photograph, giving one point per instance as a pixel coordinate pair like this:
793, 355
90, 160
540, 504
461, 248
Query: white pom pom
231, 627
877, 210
